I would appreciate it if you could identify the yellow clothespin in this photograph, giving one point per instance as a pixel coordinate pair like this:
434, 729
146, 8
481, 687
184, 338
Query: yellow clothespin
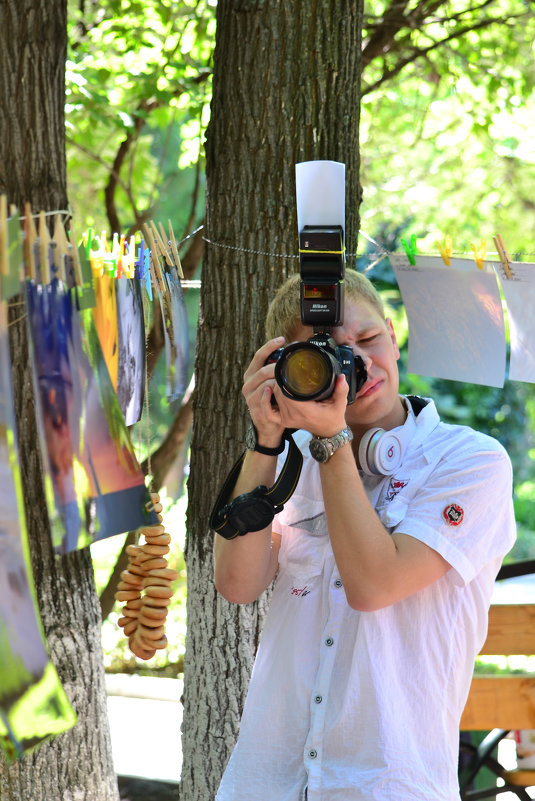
445, 250
503, 254
479, 255
128, 260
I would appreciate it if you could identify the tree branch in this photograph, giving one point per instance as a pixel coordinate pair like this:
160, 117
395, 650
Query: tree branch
421, 52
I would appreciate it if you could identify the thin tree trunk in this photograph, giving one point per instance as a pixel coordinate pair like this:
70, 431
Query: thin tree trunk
286, 89
76, 765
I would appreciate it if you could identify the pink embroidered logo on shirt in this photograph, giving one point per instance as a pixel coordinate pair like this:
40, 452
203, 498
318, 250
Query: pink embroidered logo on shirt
395, 485
300, 592
453, 514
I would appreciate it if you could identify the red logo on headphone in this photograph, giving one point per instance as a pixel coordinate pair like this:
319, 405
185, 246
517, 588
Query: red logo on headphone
453, 514
390, 452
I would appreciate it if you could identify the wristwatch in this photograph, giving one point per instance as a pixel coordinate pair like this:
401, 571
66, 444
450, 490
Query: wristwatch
322, 448
251, 442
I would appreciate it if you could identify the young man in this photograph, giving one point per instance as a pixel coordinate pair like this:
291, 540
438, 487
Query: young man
383, 582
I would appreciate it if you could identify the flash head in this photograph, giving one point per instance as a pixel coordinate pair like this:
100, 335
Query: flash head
322, 270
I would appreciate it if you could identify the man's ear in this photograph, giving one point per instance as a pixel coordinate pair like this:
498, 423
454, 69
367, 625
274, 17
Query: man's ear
393, 337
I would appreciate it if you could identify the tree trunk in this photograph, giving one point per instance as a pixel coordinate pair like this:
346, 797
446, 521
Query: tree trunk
76, 765
286, 89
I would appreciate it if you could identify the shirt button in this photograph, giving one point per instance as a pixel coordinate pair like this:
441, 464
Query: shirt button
329, 641
318, 699
338, 583
313, 753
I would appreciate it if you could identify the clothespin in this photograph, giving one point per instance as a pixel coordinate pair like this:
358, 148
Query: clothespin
160, 241
44, 241
75, 257
96, 257
503, 254
88, 242
479, 254
411, 249
140, 264
445, 250
174, 250
132, 256
4, 253
160, 281
59, 240
30, 235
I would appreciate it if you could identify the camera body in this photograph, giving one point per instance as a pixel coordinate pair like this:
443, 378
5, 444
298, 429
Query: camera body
308, 370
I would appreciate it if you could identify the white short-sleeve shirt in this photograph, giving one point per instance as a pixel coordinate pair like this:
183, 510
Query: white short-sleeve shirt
356, 706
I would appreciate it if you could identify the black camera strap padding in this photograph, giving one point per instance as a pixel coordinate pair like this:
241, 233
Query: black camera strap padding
260, 506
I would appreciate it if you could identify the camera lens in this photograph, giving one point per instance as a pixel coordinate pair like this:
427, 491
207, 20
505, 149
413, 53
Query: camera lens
306, 372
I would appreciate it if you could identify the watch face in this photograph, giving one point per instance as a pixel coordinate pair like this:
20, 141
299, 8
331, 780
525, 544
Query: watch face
318, 450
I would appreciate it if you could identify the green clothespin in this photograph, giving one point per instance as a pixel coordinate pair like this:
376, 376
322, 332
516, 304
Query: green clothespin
89, 242
411, 249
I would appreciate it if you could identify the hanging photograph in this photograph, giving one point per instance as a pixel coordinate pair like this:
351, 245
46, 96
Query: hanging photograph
96, 487
33, 705
59, 405
131, 338
176, 335
105, 317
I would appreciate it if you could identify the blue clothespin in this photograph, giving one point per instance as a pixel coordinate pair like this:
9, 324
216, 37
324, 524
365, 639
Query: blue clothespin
411, 249
146, 273
140, 261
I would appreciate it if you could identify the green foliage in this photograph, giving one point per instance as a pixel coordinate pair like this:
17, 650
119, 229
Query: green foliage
446, 142
138, 74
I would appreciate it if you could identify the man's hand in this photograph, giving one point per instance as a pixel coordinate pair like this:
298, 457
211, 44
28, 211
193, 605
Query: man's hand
258, 387
323, 418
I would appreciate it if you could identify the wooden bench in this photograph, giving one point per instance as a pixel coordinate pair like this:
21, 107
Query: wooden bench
498, 702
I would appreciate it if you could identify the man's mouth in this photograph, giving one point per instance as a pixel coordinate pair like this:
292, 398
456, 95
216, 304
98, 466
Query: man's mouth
369, 387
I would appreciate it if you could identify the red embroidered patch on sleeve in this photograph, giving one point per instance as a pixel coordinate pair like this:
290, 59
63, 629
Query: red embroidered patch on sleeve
453, 514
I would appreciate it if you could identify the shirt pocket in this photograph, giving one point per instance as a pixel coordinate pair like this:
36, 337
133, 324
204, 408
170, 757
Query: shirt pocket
304, 539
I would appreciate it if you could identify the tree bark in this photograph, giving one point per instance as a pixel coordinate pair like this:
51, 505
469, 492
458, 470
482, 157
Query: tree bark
76, 765
286, 89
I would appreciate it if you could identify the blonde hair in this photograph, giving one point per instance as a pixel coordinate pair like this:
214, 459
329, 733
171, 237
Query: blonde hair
284, 314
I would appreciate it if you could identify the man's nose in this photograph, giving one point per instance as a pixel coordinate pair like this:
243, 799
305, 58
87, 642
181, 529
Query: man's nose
366, 358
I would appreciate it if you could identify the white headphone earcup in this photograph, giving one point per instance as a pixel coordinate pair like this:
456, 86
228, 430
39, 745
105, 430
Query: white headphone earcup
380, 452
367, 447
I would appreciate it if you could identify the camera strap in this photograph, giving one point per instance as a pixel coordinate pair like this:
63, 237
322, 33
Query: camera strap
255, 510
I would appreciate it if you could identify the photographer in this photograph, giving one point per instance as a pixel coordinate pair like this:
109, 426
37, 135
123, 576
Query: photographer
383, 581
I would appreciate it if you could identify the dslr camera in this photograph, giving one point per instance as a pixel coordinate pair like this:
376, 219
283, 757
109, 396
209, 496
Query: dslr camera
308, 370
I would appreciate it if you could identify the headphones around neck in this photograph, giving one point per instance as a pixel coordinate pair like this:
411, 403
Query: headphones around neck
381, 452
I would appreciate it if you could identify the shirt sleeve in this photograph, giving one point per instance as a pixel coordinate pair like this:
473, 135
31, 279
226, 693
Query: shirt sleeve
464, 510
